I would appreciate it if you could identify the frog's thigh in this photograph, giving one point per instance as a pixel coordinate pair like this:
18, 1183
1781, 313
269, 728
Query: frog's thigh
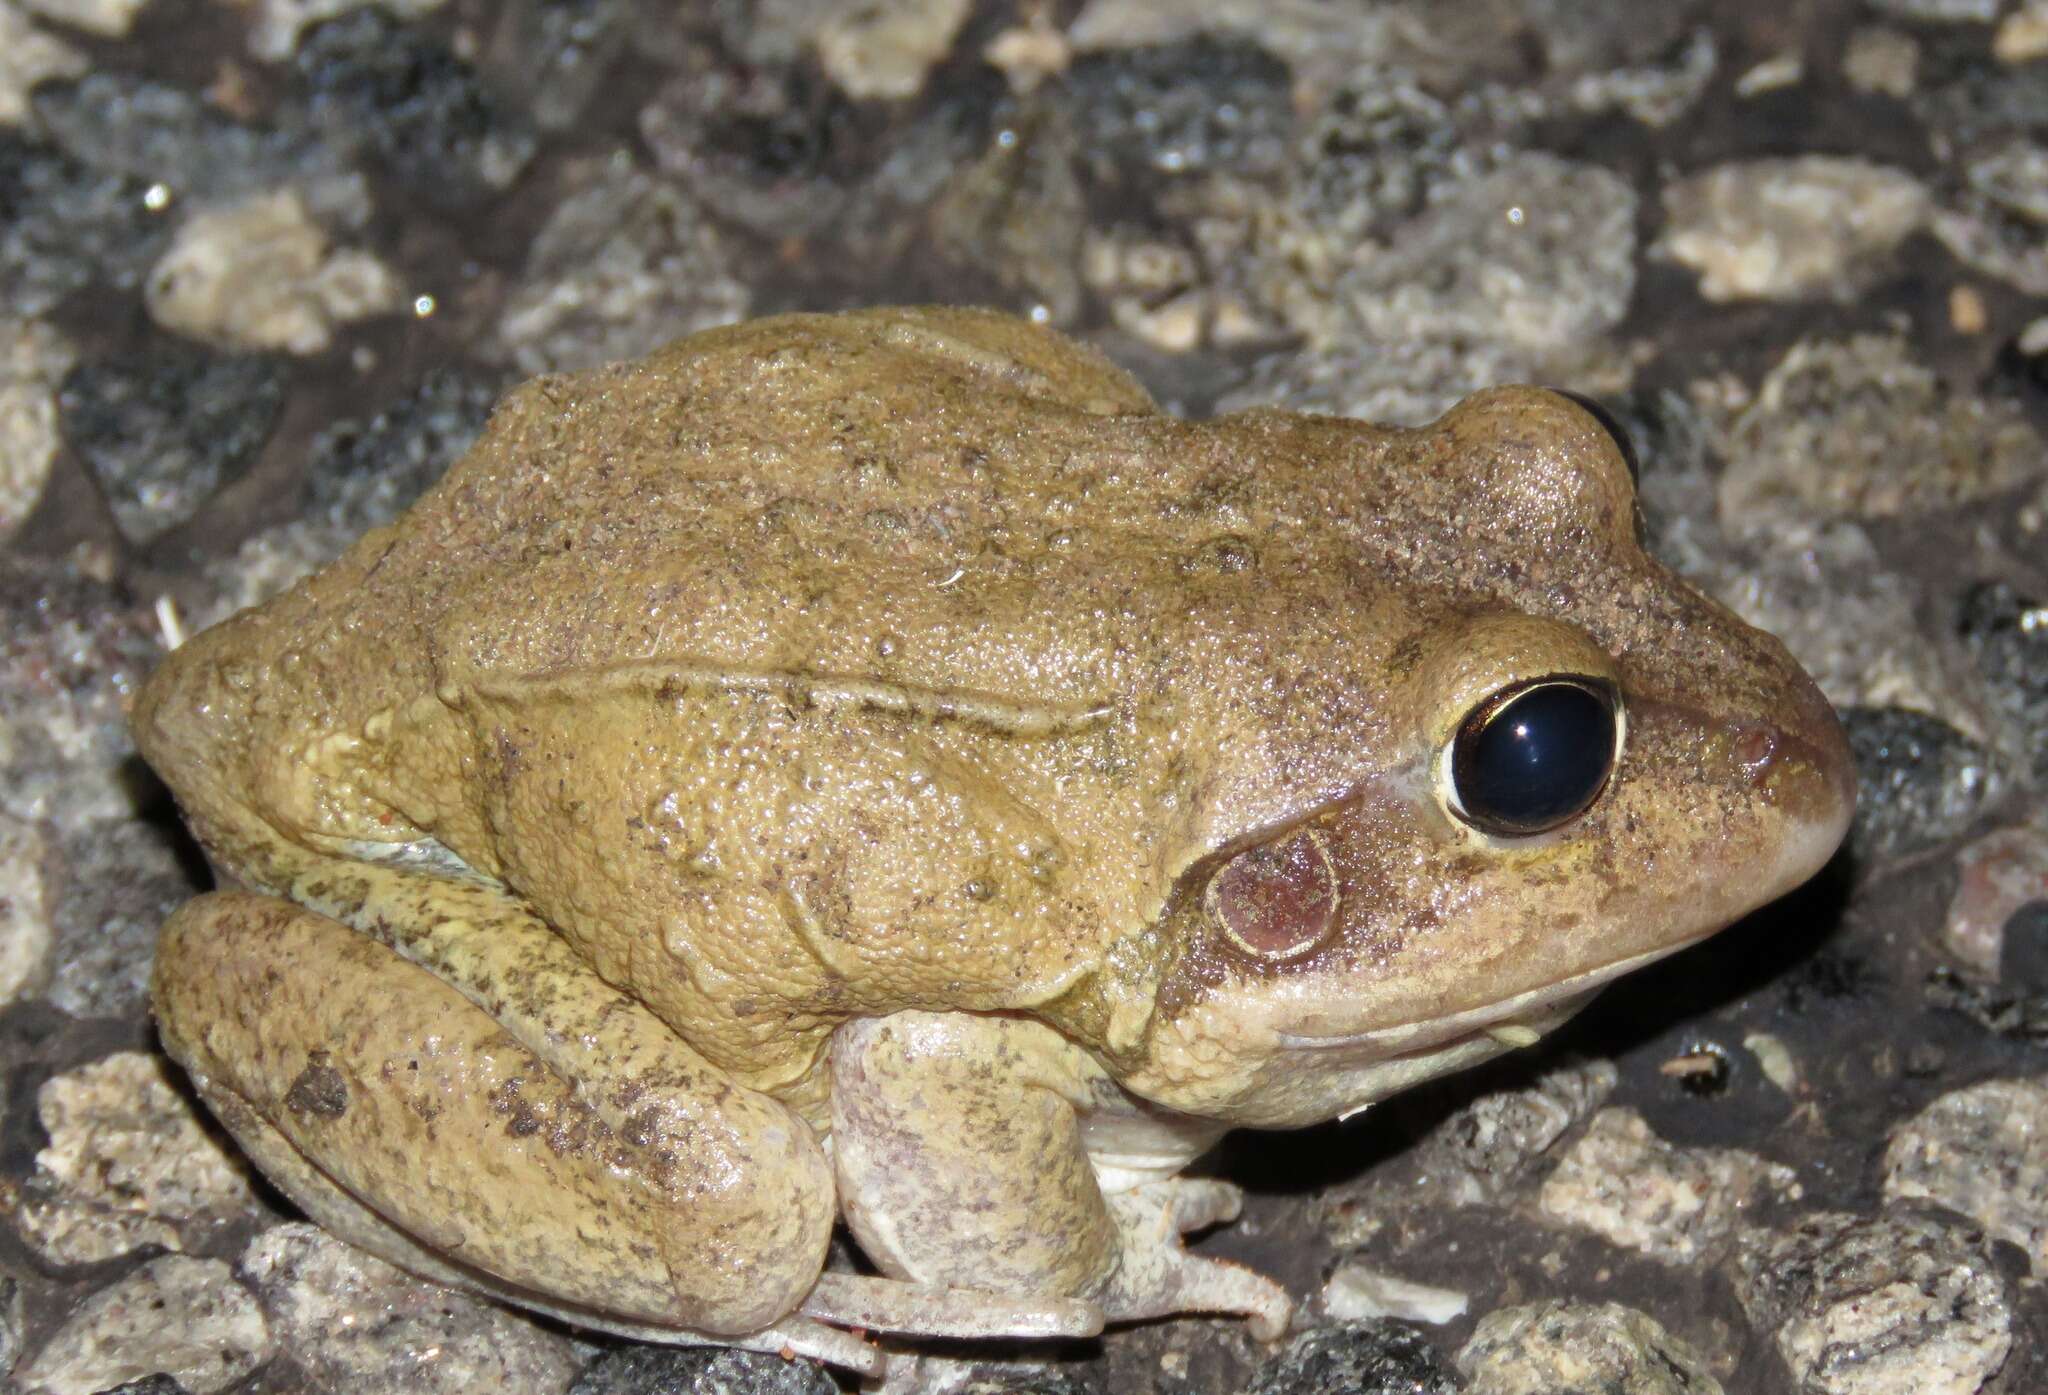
708, 1208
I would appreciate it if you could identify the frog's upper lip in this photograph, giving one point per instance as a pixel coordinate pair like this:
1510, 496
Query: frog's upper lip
1409, 1037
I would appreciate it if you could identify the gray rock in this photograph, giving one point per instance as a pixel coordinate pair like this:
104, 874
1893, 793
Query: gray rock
1978, 1151
187, 1318
1199, 105
375, 84
623, 266
1921, 781
700, 1371
33, 360
1630, 1187
1940, 11
29, 57
128, 1164
163, 426
124, 123
25, 930
365, 471
69, 226
557, 53
1793, 228
119, 881
1365, 1358
2006, 634
1862, 427
1485, 1149
1999, 878
1558, 1347
1897, 1304
355, 1323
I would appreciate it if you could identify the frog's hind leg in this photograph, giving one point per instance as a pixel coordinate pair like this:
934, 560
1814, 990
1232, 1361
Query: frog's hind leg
565, 1148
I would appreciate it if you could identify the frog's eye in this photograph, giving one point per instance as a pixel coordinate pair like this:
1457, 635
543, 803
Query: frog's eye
1277, 900
1535, 755
1597, 410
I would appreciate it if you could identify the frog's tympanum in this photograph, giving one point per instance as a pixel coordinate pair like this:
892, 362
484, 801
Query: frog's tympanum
880, 768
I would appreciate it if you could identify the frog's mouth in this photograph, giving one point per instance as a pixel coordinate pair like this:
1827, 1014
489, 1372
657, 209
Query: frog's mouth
1517, 1021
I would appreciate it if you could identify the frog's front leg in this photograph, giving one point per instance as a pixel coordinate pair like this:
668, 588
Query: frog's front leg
581, 1158
959, 1145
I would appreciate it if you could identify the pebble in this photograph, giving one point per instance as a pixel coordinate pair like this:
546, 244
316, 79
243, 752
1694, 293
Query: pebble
105, 19
1862, 427
621, 267
33, 360
70, 226
260, 274
29, 57
1199, 105
881, 50
1902, 1303
1360, 1358
1623, 1183
25, 932
1557, 1346
1488, 1147
700, 1371
1978, 1151
1792, 228
185, 1317
276, 25
1921, 782
164, 426
354, 1323
375, 84
128, 1164
120, 880
1998, 875
2006, 635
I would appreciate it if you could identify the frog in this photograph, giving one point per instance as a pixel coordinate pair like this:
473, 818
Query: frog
880, 774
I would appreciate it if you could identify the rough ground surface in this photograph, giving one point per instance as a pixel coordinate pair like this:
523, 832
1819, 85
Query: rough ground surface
264, 264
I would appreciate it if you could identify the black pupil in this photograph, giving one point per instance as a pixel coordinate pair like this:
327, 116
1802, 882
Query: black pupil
1533, 761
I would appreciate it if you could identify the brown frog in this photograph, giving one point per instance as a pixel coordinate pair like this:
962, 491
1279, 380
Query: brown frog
879, 768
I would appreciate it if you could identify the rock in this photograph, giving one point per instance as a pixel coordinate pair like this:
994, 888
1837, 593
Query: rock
33, 360
1790, 229
1978, 1151
260, 275
106, 19
1366, 1358
1198, 105
882, 49
1355, 1292
29, 57
1623, 1183
622, 267
187, 1318
1940, 11
2023, 35
120, 880
364, 472
71, 648
277, 24
187, 150
25, 932
1877, 59
2000, 874
353, 1322
128, 1164
1861, 427
1549, 1348
2006, 635
1921, 781
556, 53
700, 1371
1486, 1148
1896, 1304
163, 427
69, 226
377, 85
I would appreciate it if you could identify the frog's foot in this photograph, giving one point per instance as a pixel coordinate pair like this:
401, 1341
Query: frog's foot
1155, 1276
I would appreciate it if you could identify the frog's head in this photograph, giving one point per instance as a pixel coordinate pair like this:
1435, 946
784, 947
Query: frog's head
1534, 761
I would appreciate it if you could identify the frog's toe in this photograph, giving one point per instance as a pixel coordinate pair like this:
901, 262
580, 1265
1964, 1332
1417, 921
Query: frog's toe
1156, 1277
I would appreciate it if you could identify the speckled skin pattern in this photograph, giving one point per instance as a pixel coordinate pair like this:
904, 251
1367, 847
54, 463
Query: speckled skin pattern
775, 782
